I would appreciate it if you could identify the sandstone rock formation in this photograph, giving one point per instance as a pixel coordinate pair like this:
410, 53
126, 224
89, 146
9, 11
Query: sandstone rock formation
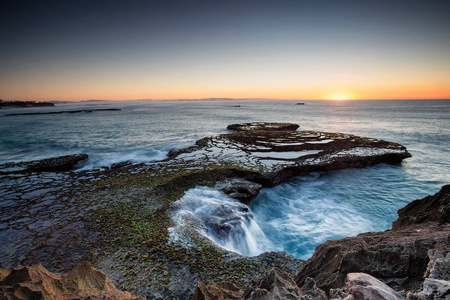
363, 286
215, 291
398, 257
85, 282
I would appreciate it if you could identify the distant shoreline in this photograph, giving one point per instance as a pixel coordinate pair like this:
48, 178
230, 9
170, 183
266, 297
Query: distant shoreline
23, 104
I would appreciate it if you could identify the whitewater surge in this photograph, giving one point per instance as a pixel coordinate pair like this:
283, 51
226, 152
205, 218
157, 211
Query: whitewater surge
225, 221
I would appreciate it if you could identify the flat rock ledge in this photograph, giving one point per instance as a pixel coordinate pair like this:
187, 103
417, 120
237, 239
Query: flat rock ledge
53, 164
270, 153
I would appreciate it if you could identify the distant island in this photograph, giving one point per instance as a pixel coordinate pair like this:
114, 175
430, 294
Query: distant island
19, 104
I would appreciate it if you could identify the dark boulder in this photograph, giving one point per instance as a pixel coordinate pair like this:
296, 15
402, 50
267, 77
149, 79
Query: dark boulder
434, 208
242, 190
53, 164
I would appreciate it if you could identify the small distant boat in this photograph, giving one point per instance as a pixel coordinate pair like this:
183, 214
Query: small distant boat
300, 103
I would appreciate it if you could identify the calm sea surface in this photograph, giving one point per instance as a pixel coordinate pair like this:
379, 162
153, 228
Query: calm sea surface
295, 216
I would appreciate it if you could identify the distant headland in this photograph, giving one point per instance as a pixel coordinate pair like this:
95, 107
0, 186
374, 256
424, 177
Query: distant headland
19, 104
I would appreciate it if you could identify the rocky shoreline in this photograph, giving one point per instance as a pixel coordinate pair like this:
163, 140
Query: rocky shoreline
119, 218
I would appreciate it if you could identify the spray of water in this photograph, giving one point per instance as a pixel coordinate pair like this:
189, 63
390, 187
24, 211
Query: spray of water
227, 222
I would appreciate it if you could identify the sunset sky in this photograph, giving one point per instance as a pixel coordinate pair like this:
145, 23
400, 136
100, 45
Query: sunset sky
119, 50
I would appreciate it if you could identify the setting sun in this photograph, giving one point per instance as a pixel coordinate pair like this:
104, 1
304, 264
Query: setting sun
340, 97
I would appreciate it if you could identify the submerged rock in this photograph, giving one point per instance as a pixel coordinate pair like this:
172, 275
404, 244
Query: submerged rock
53, 164
85, 282
398, 257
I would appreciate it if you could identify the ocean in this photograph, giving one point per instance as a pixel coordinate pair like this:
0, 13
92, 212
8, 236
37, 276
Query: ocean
295, 216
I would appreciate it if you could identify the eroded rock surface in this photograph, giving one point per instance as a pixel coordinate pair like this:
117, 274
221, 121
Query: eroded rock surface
270, 157
397, 257
85, 282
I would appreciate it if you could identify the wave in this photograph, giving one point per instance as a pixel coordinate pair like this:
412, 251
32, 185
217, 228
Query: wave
225, 221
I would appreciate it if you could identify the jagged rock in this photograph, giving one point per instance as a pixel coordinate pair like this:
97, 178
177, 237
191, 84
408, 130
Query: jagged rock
363, 286
216, 291
437, 276
310, 291
85, 282
53, 164
274, 285
242, 190
263, 126
397, 257
434, 208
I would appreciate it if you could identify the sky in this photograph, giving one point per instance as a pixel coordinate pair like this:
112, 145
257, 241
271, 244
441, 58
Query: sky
120, 50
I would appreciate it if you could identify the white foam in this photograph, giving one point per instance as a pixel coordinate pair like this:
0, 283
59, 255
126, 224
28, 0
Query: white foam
224, 220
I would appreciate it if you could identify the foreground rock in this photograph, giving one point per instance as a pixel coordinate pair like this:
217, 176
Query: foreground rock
437, 275
53, 164
85, 282
274, 285
363, 286
220, 290
398, 257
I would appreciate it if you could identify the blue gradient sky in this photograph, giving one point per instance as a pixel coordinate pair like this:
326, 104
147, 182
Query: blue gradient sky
77, 50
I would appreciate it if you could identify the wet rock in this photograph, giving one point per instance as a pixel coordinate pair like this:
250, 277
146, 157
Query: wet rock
434, 208
397, 257
121, 164
263, 126
216, 291
242, 190
53, 164
275, 284
363, 286
271, 157
85, 282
